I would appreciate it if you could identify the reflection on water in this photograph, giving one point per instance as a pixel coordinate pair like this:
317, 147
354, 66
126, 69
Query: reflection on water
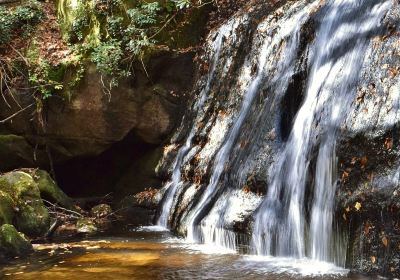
148, 253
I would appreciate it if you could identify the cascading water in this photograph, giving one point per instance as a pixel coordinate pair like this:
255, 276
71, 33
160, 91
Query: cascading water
175, 183
211, 231
281, 225
296, 216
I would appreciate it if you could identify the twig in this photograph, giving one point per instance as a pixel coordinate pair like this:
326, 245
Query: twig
15, 114
48, 151
165, 25
107, 91
144, 67
23, 58
53, 228
63, 209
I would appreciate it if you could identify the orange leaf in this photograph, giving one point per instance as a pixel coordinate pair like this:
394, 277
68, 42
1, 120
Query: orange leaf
389, 143
363, 161
385, 241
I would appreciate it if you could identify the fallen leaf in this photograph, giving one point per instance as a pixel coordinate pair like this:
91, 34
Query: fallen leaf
389, 143
363, 162
393, 72
385, 241
366, 228
373, 259
357, 206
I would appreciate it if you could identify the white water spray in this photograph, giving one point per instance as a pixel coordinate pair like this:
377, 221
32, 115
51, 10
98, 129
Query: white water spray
337, 55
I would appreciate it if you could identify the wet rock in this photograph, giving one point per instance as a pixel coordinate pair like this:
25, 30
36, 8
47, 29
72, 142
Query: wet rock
140, 209
149, 199
13, 243
86, 225
367, 148
101, 211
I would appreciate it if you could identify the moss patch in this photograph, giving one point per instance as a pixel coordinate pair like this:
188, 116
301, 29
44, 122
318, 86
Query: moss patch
31, 217
49, 189
12, 242
6, 208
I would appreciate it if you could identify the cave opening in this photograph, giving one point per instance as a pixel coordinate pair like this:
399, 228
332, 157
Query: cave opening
126, 167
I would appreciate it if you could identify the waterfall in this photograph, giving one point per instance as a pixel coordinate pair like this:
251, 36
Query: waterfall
281, 226
174, 185
296, 216
199, 229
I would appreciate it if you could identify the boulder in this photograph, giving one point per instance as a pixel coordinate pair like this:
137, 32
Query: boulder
6, 208
49, 189
24, 203
101, 211
13, 243
14, 149
86, 225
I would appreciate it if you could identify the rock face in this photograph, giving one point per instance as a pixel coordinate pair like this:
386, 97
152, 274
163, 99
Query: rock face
232, 139
88, 124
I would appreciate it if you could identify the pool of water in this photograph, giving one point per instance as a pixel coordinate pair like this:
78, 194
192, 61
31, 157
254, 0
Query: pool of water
151, 253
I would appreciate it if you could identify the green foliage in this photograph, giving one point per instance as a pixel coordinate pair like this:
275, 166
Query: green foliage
21, 19
144, 15
44, 78
115, 25
113, 33
182, 4
80, 24
107, 57
142, 21
107, 7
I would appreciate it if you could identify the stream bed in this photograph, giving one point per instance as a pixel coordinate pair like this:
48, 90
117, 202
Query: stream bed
152, 253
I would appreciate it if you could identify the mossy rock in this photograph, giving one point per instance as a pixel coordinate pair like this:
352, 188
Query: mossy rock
31, 217
12, 242
101, 211
49, 189
6, 208
85, 225
19, 185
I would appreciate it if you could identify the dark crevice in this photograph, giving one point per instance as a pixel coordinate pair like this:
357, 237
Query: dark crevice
290, 105
98, 175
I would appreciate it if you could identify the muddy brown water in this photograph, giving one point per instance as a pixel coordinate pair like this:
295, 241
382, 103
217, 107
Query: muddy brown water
143, 253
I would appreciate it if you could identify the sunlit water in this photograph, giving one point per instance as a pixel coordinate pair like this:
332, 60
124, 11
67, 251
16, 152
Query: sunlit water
150, 253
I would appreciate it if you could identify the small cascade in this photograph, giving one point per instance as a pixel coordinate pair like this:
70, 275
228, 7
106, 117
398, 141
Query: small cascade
211, 231
281, 226
174, 185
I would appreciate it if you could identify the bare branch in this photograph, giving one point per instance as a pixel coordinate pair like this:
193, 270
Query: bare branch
15, 114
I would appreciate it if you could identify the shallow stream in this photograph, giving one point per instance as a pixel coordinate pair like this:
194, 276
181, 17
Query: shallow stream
151, 253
